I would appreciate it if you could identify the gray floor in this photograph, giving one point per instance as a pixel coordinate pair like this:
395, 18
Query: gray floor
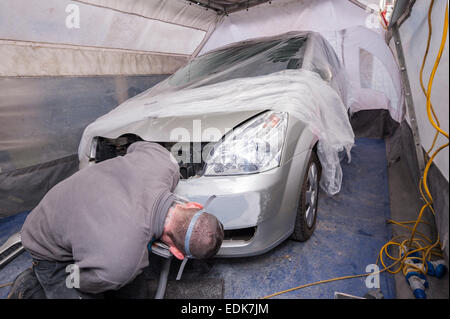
405, 205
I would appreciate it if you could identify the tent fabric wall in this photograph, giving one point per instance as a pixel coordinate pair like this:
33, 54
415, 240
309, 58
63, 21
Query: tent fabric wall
286, 15
133, 37
26, 59
345, 26
177, 12
41, 123
49, 21
414, 35
45, 122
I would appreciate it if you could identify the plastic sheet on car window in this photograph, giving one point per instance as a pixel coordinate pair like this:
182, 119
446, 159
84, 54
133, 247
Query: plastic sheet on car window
297, 73
262, 56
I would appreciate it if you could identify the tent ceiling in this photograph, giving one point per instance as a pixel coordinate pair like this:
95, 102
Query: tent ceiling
227, 6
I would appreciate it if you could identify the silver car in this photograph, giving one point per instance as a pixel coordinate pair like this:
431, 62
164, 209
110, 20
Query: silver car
260, 201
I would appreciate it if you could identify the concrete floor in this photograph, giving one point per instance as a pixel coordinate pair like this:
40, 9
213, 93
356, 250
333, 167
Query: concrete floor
405, 204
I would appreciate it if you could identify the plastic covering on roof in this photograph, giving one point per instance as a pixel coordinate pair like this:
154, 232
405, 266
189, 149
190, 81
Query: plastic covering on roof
294, 50
296, 73
356, 36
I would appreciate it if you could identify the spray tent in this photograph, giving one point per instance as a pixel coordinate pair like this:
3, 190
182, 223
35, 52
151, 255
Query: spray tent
367, 78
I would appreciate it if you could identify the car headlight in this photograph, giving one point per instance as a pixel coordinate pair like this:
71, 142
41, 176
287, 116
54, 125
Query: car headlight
253, 147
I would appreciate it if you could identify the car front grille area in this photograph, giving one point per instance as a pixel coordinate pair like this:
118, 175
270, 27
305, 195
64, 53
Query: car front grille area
189, 157
241, 234
111, 147
188, 154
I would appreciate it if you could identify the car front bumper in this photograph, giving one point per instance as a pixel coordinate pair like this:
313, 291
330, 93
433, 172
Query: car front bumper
267, 201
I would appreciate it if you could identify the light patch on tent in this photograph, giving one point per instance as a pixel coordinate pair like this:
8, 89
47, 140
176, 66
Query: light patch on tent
374, 76
366, 64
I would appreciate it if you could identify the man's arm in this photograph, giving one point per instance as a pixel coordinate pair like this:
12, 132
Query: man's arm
176, 175
92, 282
113, 267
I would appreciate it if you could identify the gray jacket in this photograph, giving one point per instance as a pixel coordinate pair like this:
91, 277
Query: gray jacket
103, 217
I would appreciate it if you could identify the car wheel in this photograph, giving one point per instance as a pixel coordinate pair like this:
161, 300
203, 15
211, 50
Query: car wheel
305, 221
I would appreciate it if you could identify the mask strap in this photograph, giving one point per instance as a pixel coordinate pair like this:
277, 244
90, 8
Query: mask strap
192, 225
189, 232
188, 236
186, 243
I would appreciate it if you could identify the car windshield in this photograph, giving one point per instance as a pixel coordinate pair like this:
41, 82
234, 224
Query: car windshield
246, 60
305, 50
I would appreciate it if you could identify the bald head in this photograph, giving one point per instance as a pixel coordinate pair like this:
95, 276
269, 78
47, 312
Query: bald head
206, 235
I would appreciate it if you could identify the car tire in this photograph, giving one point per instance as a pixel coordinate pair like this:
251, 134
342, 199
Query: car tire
305, 221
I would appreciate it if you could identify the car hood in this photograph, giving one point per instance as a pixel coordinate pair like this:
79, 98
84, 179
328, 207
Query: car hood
195, 128
207, 127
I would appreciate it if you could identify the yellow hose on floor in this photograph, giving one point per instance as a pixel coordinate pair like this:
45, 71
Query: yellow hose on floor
410, 245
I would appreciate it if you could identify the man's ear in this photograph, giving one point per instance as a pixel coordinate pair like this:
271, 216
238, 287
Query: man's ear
176, 252
190, 205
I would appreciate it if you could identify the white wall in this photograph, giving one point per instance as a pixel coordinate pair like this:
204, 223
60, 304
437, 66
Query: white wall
414, 34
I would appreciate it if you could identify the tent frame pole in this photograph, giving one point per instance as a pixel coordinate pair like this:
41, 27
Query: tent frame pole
408, 97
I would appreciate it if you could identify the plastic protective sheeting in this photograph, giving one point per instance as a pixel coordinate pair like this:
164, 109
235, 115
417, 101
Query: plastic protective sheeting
271, 74
262, 56
355, 34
